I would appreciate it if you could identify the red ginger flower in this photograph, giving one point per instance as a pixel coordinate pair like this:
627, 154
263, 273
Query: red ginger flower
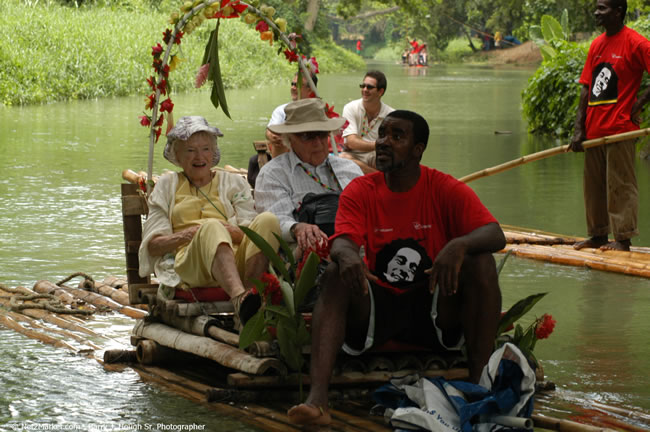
150, 100
202, 75
544, 326
145, 120
272, 288
322, 250
167, 37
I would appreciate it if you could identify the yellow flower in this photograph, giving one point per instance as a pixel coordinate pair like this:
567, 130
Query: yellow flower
173, 19
174, 62
186, 7
250, 18
282, 24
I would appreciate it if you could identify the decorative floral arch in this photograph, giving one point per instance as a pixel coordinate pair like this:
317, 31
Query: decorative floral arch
192, 14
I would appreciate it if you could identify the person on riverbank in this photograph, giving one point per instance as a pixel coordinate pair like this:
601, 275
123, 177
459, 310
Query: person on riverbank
427, 277
364, 116
608, 105
307, 168
273, 140
191, 237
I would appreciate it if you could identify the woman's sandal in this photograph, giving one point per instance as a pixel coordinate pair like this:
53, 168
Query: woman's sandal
246, 305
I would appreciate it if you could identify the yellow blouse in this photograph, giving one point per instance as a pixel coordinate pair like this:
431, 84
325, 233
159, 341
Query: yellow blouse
192, 208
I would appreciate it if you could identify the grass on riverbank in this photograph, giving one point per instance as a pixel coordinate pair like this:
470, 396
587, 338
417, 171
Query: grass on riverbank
51, 53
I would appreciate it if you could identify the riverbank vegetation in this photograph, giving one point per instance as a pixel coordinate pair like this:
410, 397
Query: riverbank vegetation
51, 51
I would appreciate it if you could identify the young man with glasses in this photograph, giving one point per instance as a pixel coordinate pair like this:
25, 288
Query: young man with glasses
364, 116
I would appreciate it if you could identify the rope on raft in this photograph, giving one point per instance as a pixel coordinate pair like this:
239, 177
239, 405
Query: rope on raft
87, 284
52, 304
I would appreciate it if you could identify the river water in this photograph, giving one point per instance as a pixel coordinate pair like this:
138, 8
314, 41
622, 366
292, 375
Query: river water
60, 213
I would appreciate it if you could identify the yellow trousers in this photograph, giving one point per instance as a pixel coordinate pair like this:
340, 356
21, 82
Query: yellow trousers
194, 262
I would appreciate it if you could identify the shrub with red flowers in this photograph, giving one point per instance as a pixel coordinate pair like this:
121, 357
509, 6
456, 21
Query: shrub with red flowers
525, 338
286, 286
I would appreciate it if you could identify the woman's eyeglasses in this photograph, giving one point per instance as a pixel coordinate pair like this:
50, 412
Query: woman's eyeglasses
368, 86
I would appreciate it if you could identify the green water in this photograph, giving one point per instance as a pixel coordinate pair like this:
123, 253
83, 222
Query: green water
60, 213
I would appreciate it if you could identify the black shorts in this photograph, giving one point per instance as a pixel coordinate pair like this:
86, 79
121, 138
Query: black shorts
405, 318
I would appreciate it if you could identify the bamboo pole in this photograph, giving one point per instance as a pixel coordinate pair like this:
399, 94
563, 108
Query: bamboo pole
559, 425
552, 152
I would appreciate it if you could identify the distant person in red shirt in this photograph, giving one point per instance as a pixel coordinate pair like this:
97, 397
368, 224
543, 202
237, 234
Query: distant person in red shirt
608, 105
359, 46
427, 275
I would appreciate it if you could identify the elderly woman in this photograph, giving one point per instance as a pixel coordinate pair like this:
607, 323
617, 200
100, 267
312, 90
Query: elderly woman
191, 237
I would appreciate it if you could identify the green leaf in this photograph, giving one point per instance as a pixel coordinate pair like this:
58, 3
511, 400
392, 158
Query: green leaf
518, 310
503, 262
547, 52
267, 250
519, 332
564, 20
287, 293
253, 330
303, 337
280, 310
551, 29
307, 278
290, 352
287, 250
218, 95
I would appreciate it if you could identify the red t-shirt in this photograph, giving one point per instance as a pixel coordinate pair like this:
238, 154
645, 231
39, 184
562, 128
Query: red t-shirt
402, 233
613, 73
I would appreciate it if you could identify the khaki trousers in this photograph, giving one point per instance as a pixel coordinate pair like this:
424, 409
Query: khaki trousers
610, 190
194, 263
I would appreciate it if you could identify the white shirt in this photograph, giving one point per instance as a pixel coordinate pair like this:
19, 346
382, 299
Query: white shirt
355, 113
278, 116
282, 184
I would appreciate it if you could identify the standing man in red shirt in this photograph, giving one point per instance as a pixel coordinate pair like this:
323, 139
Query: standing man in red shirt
608, 105
427, 276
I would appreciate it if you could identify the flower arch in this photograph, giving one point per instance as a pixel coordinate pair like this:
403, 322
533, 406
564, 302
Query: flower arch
193, 14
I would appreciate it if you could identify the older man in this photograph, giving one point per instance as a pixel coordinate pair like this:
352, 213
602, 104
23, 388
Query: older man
427, 276
308, 168
364, 116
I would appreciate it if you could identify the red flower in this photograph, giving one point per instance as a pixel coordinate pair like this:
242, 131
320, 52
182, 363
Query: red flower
158, 131
544, 326
150, 101
156, 50
165, 71
230, 9
145, 120
329, 111
177, 38
157, 64
167, 35
262, 26
151, 83
162, 86
291, 55
322, 250
311, 64
166, 105
159, 122
272, 288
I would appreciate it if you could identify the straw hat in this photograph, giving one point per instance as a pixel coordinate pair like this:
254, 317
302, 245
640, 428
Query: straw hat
307, 115
183, 130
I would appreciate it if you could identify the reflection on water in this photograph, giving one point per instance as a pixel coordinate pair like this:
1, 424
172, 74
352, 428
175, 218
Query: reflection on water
60, 213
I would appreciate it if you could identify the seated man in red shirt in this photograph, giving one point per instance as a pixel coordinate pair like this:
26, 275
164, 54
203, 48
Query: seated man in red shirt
428, 275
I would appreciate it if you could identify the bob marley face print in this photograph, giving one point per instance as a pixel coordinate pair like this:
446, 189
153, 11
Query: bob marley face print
604, 85
402, 262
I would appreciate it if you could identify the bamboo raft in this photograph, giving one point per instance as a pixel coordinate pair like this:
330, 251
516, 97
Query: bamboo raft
558, 249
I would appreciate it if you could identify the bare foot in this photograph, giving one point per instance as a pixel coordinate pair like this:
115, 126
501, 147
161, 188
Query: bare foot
623, 245
307, 414
592, 242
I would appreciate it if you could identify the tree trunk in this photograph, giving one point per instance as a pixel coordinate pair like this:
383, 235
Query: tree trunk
312, 14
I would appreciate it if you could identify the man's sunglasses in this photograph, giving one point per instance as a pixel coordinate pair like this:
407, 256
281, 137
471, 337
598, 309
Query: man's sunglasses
368, 86
310, 136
